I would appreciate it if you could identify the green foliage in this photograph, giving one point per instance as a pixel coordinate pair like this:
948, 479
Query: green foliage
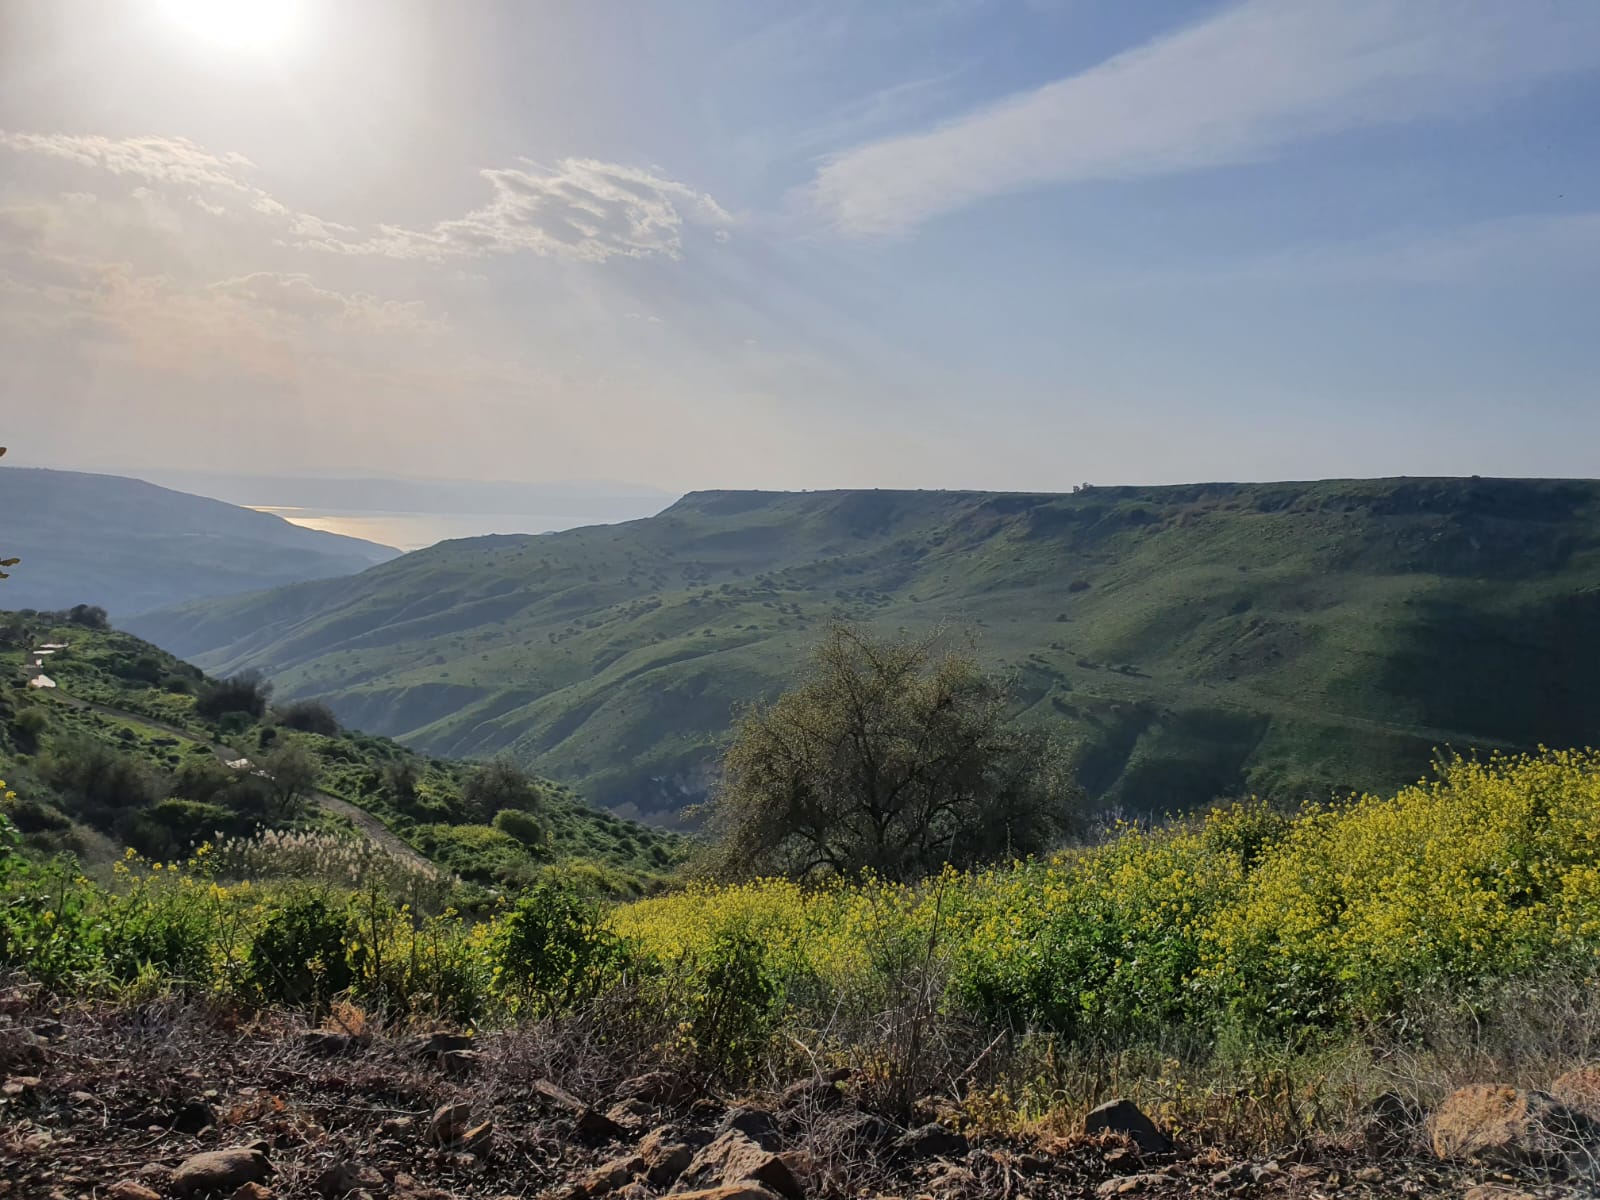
731, 998
246, 693
309, 716
891, 757
553, 951
298, 957
497, 786
520, 825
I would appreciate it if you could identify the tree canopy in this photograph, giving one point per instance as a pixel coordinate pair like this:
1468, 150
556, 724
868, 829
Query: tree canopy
890, 755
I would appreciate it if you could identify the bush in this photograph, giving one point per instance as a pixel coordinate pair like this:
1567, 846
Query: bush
298, 957
734, 998
309, 716
553, 951
246, 692
520, 825
498, 785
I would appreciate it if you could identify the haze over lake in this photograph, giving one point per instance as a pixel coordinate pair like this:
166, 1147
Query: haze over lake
414, 530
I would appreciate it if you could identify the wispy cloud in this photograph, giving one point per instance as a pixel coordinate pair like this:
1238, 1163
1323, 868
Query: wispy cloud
583, 209
1237, 87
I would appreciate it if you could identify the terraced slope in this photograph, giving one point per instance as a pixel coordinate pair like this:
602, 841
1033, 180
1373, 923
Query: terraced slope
1195, 640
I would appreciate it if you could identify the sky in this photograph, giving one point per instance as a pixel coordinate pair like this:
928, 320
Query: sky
771, 243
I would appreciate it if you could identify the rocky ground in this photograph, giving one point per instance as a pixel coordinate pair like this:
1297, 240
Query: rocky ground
162, 1100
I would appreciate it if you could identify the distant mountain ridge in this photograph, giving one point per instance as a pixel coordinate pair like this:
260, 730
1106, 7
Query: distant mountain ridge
130, 546
1193, 641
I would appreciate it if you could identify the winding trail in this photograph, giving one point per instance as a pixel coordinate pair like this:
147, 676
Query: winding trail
368, 825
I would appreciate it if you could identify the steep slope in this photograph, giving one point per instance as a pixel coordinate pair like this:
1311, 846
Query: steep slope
122, 697
129, 546
1194, 640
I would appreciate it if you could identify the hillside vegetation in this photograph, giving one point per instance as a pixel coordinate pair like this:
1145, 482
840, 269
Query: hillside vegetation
1195, 641
124, 752
129, 546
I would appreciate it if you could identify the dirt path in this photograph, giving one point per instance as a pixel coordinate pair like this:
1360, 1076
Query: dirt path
368, 825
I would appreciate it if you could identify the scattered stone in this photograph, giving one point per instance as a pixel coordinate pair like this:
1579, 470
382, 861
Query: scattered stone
757, 1124
394, 1126
554, 1096
448, 1124
1368, 1175
327, 1043
735, 1158
820, 1091
128, 1189
1496, 1191
1499, 1124
1124, 1117
735, 1191
20, 1085
220, 1171
435, 1044
458, 1064
193, 1117
1129, 1184
631, 1113
665, 1156
251, 1191
1266, 1172
1580, 1090
345, 1179
592, 1125
930, 1141
612, 1175
656, 1087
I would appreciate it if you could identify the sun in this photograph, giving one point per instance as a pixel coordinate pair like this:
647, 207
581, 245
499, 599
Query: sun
236, 24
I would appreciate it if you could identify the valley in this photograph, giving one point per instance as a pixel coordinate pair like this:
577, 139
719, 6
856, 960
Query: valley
1190, 642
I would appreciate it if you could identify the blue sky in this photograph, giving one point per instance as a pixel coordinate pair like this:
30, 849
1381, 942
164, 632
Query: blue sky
953, 244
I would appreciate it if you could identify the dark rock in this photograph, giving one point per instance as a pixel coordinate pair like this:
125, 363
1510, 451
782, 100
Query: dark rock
1124, 1117
656, 1087
449, 1122
592, 1125
220, 1171
757, 1124
435, 1044
612, 1175
667, 1153
342, 1179
458, 1064
734, 1158
930, 1141
553, 1096
129, 1189
816, 1092
327, 1043
193, 1117
632, 1114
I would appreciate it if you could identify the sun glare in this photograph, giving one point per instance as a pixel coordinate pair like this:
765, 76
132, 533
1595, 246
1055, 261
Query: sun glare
236, 24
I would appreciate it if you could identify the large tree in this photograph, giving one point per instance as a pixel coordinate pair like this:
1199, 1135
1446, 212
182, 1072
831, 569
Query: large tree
893, 755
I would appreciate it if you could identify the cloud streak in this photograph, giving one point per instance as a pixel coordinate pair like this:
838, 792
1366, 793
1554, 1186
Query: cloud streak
582, 209
1238, 87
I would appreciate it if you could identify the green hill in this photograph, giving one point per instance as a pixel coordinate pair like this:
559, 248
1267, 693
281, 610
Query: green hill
120, 753
129, 546
1195, 640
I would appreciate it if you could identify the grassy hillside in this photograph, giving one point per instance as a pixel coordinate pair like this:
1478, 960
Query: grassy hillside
1195, 640
129, 546
118, 755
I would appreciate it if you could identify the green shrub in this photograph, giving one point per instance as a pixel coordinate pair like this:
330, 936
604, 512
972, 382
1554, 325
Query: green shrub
298, 957
732, 1004
553, 951
526, 829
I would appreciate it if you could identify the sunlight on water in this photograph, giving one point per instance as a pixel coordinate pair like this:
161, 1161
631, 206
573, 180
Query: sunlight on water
414, 530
